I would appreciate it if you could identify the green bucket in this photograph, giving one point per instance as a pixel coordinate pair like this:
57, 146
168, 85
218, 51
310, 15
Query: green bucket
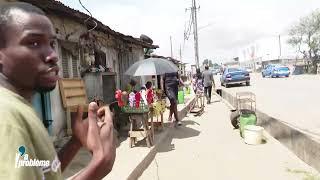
181, 97
247, 119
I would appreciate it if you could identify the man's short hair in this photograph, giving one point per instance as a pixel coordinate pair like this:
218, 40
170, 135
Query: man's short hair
6, 16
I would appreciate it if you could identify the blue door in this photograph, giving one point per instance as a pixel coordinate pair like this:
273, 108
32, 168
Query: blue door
42, 105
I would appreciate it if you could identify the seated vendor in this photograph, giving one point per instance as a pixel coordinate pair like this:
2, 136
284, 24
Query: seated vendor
131, 86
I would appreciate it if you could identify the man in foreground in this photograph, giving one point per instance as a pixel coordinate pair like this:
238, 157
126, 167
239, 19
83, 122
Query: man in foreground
28, 64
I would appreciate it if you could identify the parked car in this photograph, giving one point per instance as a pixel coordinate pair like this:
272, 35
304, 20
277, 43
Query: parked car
235, 76
276, 71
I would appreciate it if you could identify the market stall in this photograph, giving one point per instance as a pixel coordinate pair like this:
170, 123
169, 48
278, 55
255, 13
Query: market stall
145, 105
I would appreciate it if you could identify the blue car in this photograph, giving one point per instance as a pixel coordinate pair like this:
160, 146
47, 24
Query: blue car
235, 76
275, 71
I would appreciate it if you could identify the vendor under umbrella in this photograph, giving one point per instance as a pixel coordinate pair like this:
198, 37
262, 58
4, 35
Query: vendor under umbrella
131, 86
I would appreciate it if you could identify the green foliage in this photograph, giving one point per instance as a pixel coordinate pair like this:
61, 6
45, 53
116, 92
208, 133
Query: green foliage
305, 36
148, 51
207, 62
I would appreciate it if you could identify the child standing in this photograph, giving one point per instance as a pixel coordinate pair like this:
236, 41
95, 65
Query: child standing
149, 93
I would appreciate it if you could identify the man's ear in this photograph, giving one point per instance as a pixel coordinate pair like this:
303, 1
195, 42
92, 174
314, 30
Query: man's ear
1, 57
1, 60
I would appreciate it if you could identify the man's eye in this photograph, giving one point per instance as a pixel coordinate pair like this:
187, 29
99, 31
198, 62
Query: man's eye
34, 44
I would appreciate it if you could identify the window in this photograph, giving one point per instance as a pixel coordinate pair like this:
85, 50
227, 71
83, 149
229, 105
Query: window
75, 71
233, 70
65, 63
100, 58
70, 64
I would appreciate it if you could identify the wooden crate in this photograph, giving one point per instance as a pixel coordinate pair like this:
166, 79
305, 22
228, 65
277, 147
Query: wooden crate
73, 93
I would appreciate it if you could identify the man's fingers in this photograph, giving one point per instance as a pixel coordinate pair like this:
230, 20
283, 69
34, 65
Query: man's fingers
92, 116
93, 138
79, 113
101, 111
106, 114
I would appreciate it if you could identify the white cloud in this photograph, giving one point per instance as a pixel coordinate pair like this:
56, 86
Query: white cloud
233, 24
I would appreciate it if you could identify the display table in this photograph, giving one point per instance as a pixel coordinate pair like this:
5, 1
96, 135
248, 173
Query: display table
143, 131
157, 109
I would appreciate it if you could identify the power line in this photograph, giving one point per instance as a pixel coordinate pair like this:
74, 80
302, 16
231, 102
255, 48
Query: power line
85, 22
187, 29
187, 32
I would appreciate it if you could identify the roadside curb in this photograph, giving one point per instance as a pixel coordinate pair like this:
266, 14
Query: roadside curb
143, 165
300, 143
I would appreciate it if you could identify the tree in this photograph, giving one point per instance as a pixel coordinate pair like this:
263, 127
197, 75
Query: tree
305, 36
210, 63
205, 62
148, 51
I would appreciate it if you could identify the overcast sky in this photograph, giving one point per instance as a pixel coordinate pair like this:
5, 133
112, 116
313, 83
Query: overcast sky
225, 26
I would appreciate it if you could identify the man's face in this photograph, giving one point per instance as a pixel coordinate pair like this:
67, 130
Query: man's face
29, 60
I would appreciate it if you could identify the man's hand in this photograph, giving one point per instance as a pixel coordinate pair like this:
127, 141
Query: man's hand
79, 127
96, 134
106, 135
93, 141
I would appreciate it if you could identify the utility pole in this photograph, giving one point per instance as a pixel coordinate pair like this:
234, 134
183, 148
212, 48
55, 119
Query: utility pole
180, 53
171, 46
195, 32
279, 46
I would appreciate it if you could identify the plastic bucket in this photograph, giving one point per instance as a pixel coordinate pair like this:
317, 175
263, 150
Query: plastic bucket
247, 119
180, 97
253, 134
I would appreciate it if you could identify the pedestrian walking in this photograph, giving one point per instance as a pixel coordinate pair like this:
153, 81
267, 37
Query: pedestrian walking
28, 64
208, 81
198, 83
171, 86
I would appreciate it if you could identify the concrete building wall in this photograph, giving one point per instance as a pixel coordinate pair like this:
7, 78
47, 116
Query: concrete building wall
126, 59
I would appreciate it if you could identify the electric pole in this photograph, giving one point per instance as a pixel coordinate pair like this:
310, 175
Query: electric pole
279, 46
195, 32
171, 46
